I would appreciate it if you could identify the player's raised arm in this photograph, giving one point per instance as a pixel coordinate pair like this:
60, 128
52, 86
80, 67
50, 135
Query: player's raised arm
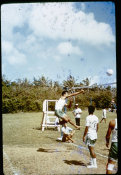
76, 93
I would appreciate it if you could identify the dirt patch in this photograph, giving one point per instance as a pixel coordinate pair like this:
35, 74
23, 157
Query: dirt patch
50, 159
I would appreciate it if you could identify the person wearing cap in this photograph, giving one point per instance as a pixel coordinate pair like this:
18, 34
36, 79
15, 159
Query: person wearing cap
77, 113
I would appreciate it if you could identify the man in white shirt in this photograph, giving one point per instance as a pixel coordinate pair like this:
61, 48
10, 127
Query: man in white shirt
60, 105
113, 153
77, 113
67, 133
90, 135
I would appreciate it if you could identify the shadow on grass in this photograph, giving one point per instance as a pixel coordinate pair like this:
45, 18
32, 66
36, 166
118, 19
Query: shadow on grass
58, 140
52, 138
49, 150
38, 128
74, 162
51, 129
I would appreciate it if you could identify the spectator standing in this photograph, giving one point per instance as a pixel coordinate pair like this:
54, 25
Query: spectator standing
77, 113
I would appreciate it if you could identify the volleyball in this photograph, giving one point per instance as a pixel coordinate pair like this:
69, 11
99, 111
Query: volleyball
109, 72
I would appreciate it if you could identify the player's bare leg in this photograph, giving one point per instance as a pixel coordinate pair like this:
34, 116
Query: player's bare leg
101, 120
92, 152
109, 167
66, 118
93, 158
67, 138
70, 136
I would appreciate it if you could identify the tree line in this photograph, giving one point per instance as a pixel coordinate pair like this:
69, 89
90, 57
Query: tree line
25, 96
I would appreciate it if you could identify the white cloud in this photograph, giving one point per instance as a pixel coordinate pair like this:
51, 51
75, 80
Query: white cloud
7, 47
17, 58
59, 20
12, 16
12, 55
67, 48
56, 21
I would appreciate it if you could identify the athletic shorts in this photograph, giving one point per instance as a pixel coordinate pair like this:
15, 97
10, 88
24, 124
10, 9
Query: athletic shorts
113, 153
90, 142
59, 113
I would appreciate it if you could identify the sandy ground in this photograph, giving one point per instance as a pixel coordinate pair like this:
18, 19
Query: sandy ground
60, 158
29, 151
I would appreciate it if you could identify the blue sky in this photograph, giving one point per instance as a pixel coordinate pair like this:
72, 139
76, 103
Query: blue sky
59, 39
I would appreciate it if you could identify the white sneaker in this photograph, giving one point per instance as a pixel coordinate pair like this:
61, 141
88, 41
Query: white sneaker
60, 138
92, 166
90, 162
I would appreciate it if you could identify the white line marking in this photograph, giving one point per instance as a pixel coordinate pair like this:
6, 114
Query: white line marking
10, 164
81, 147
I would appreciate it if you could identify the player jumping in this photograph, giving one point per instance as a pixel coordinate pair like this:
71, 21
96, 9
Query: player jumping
60, 105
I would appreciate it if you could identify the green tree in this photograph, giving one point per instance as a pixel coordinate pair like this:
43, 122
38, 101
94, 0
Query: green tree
70, 82
86, 82
21, 95
103, 99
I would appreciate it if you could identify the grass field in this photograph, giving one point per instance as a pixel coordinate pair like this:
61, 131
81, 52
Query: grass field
29, 151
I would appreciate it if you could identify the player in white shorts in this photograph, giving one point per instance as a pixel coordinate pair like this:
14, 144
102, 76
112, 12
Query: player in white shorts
90, 135
103, 115
113, 153
60, 105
